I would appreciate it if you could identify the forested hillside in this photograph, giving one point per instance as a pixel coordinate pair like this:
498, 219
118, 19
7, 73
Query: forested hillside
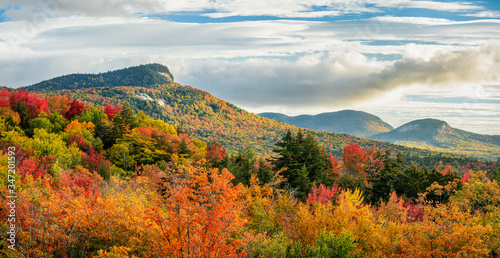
143, 75
438, 135
87, 180
357, 123
210, 119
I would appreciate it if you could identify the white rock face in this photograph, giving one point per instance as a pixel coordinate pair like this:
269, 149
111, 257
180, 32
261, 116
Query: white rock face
166, 75
143, 96
160, 102
407, 128
443, 129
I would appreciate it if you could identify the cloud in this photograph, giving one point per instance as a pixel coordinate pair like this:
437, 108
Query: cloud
471, 65
430, 5
256, 44
283, 65
412, 20
330, 81
23, 9
20, 9
485, 14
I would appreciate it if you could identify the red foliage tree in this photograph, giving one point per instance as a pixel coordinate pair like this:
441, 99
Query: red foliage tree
28, 105
375, 162
354, 161
414, 213
75, 109
4, 99
111, 111
323, 194
216, 153
36, 166
95, 161
80, 142
335, 164
78, 177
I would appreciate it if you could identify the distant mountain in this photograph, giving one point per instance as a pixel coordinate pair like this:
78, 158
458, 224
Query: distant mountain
438, 135
351, 122
142, 75
192, 110
204, 116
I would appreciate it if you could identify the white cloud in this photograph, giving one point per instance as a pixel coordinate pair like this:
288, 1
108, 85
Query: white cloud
335, 81
412, 20
485, 14
20, 9
430, 5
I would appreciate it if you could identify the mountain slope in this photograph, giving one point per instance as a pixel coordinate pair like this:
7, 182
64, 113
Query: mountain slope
209, 118
351, 122
438, 135
142, 75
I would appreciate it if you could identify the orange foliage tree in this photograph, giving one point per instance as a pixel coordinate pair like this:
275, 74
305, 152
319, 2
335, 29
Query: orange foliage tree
200, 216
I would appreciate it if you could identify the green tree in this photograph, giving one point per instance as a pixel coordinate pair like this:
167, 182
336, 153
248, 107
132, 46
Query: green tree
242, 165
120, 155
302, 161
264, 171
125, 121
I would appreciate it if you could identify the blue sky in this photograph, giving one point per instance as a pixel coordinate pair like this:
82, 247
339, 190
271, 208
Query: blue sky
399, 59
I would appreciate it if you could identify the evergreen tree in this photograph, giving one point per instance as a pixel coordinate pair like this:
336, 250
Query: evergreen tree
264, 172
124, 121
302, 161
242, 165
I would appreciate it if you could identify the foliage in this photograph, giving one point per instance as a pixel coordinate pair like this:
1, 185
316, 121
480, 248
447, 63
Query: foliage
129, 185
210, 119
303, 161
200, 217
327, 245
323, 194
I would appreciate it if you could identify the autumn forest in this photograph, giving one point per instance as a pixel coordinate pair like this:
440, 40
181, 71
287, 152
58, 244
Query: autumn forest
90, 177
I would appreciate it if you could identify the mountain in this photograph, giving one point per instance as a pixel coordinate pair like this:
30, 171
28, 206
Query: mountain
204, 116
439, 136
142, 75
351, 122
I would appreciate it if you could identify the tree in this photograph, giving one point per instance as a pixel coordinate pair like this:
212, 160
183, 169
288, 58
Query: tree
242, 165
28, 106
302, 160
75, 109
120, 155
264, 171
125, 120
4, 99
354, 162
59, 104
216, 156
96, 162
111, 111
200, 217
323, 194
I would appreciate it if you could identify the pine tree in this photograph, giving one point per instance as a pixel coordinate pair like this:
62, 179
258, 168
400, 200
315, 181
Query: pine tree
302, 161
125, 120
242, 165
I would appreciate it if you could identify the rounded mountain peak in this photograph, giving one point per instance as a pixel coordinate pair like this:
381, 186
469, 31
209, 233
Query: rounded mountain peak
427, 124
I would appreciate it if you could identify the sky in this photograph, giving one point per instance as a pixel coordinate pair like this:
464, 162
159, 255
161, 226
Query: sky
398, 59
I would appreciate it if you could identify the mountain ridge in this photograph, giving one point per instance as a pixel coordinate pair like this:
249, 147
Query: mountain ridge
436, 134
205, 116
357, 123
141, 75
